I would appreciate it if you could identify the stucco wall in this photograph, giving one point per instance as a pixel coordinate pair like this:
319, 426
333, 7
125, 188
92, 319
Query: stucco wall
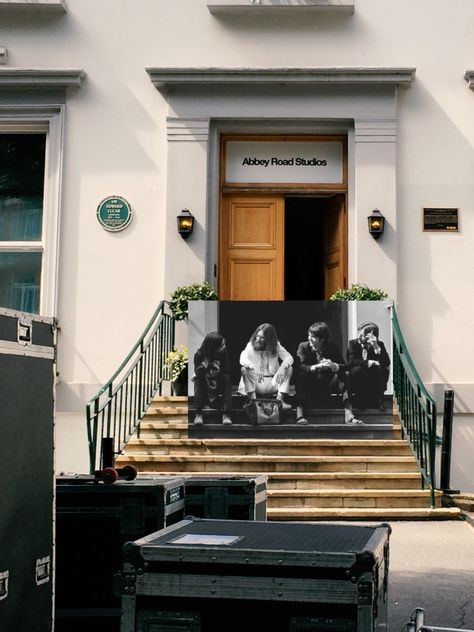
115, 144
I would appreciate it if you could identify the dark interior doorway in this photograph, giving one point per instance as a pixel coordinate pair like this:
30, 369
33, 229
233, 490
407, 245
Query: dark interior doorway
304, 248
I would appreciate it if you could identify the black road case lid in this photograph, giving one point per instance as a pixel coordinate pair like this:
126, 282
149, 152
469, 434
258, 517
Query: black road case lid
77, 483
242, 542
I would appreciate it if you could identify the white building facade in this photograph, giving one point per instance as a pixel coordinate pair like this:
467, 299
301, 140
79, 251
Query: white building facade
156, 102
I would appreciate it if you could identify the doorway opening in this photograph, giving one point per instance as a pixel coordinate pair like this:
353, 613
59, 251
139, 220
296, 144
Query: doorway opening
314, 236
277, 247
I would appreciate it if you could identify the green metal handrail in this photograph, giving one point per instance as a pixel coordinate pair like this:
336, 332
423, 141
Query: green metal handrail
417, 409
118, 408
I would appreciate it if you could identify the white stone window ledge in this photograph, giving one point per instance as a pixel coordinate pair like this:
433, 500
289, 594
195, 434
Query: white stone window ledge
41, 77
245, 7
43, 6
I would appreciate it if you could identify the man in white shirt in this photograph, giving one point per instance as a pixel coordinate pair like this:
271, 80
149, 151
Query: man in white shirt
266, 366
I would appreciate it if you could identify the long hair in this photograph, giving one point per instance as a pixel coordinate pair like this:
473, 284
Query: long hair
270, 337
211, 344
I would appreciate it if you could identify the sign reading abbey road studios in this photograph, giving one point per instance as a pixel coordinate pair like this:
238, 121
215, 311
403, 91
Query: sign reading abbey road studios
440, 219
305, 162
114, 213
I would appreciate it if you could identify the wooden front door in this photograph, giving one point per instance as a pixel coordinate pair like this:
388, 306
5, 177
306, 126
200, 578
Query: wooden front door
251, 259
335, 230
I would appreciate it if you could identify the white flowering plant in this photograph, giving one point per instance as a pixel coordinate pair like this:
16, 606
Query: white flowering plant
177, 361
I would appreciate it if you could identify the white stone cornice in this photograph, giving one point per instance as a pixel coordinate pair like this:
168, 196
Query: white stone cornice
469, 77
265, 7
51, 6
187, 130
170, 77
41, 77
375, 131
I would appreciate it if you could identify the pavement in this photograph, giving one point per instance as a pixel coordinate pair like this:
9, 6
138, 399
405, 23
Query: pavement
432, 567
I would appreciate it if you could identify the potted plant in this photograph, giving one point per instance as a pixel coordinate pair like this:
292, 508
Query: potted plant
195, 292
359, 292
177, 363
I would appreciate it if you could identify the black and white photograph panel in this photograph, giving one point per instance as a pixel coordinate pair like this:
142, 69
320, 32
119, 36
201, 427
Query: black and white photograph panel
294, 368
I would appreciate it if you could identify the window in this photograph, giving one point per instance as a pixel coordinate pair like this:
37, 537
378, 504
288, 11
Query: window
22, 161
30, 159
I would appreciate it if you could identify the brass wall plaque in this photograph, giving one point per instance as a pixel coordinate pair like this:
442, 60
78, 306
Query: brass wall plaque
440, 219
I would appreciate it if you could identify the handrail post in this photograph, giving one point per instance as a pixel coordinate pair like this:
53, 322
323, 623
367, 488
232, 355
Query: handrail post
432, 449
107, 450
447, 440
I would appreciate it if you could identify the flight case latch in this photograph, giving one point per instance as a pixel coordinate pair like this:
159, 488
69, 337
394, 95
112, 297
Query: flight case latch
365, 593
124, 583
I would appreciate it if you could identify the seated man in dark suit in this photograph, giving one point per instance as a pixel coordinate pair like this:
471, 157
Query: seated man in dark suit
369, 367
321, 372
212, 376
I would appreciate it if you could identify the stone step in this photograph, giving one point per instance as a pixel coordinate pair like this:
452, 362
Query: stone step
321, 480
364, 499
163, 409
173, 427
263, 464
297, 447
318, 417
344, 480
163, 430
291, 431
353, 513
165, 417
181, 400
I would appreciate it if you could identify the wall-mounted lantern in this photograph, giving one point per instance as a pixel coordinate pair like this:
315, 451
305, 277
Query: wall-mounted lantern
185, 223
376, 223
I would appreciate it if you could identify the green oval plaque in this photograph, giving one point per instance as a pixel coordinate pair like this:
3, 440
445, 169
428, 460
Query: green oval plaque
114, 213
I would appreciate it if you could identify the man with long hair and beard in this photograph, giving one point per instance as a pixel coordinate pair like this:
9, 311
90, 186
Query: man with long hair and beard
212, 377
266, 366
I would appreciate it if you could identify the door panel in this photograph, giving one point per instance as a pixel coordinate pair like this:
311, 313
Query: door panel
251, 261
251, 226
334, 245
252, 279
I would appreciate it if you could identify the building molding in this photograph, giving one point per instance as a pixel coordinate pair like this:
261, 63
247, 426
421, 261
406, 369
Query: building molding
43, 6
266, 7
187, 129
163, 78
41, 77
375, 131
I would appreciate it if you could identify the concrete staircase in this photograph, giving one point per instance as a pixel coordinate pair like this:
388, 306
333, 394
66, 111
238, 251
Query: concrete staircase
308, 478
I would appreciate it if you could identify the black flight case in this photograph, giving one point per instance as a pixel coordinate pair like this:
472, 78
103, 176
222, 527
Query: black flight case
93, 520
212, 575
229, 497
27, 375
